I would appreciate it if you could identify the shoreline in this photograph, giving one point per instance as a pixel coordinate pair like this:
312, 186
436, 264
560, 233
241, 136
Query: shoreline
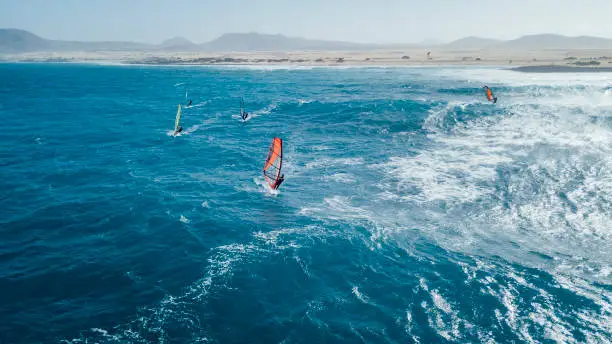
528, 69
562, 69
597, 61
247, 65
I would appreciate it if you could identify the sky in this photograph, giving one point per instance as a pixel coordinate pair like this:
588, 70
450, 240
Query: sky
364, 21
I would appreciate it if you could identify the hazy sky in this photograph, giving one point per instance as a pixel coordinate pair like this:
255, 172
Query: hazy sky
383, 21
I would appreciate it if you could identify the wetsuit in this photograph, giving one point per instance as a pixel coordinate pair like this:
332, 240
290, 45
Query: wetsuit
280, 180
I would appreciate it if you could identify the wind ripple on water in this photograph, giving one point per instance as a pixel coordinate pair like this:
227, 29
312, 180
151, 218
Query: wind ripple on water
413, 211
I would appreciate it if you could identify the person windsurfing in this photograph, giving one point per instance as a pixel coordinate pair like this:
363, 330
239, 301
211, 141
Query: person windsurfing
177, 121
187, 97
243, 114
279, 181
490, 96
274, 164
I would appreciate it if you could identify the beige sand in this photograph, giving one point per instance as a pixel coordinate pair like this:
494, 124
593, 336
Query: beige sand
417, 57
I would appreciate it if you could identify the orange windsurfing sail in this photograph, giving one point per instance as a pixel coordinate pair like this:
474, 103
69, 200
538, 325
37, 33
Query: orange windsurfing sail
274, 162
490, 96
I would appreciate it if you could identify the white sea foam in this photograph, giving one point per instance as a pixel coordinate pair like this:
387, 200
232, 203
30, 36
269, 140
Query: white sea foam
196, 105
538, 173
337, 208
266, 110
265, 188
539, 149
256, 113
492, 76
442, 317
340, 178
182, 310
359, 295
537, 311
329, 162
463, 165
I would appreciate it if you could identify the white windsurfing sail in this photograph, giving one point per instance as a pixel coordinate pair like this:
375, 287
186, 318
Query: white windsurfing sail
178, 118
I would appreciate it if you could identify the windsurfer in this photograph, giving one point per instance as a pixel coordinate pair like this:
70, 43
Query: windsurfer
243, 113
274, 163
490, 95
280, 180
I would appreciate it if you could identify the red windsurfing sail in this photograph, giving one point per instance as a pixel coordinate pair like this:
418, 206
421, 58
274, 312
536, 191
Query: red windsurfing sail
490, 96
274, 162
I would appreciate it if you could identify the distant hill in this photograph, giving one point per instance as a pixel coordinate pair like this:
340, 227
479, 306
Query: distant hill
95, 46
178, 44
532, 42
430, 42
176, 41
548, 41
15, 40
472, 42
20, 41
264, 42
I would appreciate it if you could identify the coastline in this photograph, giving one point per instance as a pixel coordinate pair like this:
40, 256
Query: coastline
562, 69
586, 61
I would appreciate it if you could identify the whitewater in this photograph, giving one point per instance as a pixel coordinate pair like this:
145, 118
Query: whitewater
413, 210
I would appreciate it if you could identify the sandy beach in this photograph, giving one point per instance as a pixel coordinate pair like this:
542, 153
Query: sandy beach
585, 59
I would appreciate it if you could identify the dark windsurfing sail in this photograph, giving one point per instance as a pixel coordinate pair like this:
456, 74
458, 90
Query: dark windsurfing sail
274, 162
243, 114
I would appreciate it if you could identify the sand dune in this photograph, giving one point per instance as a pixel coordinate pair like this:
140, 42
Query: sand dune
412, 57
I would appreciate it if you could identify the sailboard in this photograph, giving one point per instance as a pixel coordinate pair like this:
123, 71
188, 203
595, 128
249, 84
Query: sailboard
243, 114
274, 162
178, 118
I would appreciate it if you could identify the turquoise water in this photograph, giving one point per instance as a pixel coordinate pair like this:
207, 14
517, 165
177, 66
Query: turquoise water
412, 210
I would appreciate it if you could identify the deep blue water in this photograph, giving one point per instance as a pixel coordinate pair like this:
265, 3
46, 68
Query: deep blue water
413, 211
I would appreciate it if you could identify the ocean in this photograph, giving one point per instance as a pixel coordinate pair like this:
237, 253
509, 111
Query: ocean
413, 210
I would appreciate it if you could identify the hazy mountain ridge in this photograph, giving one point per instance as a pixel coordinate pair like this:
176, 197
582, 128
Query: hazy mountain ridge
14, 40
21, 41
257, 41
178, 43
550, 41
472, 42
533, 42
